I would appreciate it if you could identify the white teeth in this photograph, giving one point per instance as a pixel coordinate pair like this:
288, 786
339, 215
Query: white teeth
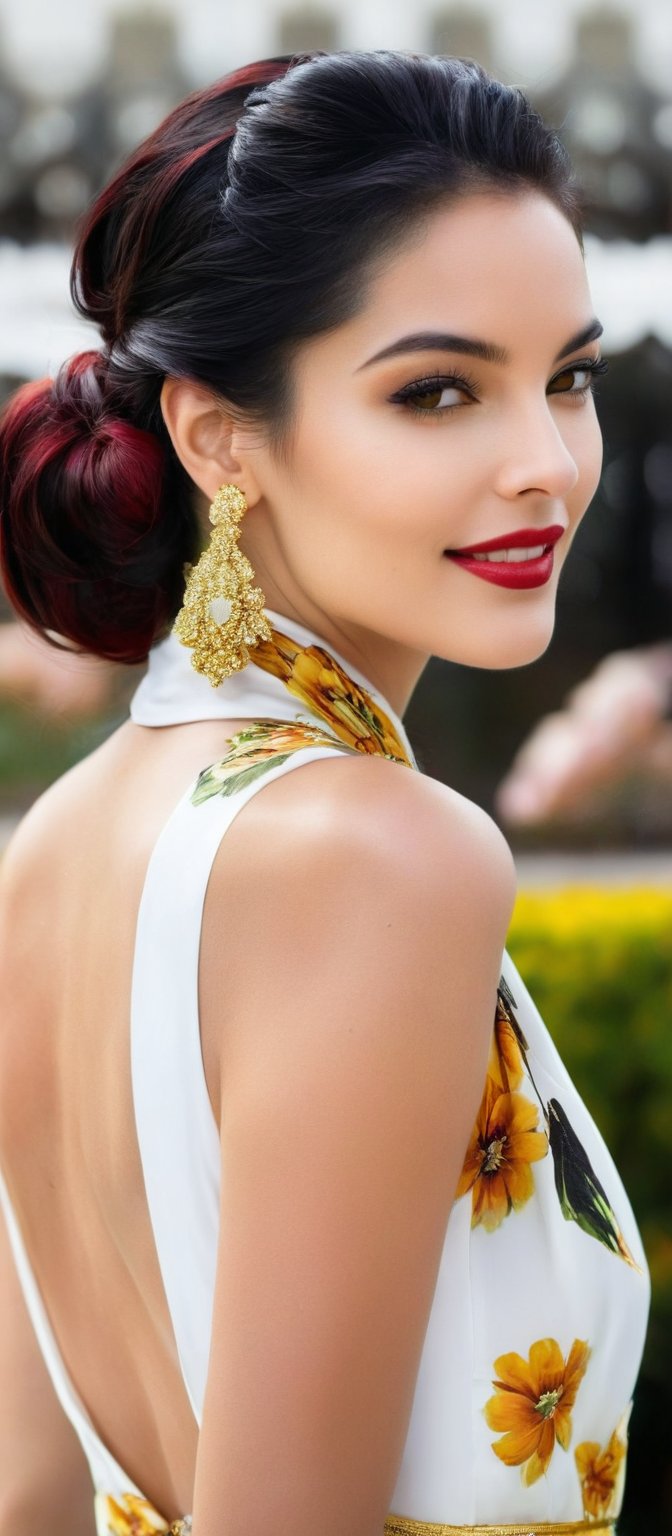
513, 556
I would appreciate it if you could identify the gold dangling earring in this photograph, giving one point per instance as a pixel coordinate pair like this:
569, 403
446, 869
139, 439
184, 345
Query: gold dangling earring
222, 613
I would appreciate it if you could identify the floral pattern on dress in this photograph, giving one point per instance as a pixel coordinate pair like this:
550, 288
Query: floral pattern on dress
313, 675
496, 1166
256, 749
506, 1063
131, 1515
602, 1472
533, 1403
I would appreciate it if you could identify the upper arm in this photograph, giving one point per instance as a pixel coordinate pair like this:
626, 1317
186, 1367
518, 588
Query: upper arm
353, 1070
45, 1482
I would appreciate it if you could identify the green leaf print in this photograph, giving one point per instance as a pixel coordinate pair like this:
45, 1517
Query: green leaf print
582, 1198
255, 749
215, 781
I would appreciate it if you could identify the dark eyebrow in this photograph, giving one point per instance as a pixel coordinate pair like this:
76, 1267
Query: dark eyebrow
441, 341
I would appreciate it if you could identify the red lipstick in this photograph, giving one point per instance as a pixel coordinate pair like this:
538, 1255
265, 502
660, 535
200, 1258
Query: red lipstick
519, 574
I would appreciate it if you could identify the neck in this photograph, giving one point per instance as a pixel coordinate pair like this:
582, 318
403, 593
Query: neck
295, 675
392, 668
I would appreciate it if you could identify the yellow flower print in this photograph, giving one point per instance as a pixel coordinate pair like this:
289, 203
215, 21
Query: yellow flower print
505, 1064
582, 1197
602, 1473
504, 1142
533, 1402
316, 677
127, 1515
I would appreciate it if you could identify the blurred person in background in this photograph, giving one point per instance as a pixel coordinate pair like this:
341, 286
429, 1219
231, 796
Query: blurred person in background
615, 723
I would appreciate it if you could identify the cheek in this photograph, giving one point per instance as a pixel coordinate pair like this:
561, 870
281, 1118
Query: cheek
387, 471
367, 468
588, 450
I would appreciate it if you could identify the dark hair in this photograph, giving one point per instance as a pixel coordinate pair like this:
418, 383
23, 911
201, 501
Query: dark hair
247, 222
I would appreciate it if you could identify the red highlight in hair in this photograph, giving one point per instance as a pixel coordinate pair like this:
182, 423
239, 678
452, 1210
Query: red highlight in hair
154, 171
80, 499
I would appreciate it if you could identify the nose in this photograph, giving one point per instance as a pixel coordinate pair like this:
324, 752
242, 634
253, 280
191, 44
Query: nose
535, 455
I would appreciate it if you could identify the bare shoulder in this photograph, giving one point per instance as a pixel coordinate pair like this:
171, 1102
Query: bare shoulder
358, 861
366, 826
421, 823
25, 844
36, 833
55, 816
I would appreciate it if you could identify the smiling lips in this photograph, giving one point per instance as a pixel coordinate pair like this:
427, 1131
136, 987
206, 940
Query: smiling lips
520, 560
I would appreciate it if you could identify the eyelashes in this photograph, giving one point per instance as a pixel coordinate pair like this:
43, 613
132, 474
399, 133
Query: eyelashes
592, 366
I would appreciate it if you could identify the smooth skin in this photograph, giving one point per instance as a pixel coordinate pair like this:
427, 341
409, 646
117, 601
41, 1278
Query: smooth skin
365, 1008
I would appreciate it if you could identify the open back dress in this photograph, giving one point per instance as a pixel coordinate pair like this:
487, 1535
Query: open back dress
538, 1318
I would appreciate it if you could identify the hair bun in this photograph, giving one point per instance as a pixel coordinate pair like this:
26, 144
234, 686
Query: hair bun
80, 383
84, 547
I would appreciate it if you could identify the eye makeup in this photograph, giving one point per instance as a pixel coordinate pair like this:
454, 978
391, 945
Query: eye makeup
438, 382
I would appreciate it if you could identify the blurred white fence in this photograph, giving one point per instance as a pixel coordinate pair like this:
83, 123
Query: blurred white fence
631, 286
58, 46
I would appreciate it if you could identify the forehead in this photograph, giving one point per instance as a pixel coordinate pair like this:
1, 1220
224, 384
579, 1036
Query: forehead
506, 267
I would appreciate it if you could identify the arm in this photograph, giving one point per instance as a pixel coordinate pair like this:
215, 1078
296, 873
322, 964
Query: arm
356, 1045
45, 1482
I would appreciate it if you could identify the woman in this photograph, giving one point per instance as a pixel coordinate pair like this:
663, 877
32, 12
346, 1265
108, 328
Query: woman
313, 1228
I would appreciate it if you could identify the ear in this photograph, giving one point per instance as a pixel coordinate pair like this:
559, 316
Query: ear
207, 439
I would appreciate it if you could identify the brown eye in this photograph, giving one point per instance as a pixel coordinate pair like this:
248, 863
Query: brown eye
585, 370
570, 374
428, 399
424, 396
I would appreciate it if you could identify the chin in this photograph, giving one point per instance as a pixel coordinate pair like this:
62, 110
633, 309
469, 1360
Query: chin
500, 651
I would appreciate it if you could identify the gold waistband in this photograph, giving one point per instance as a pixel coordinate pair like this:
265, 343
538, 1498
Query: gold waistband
403, 1525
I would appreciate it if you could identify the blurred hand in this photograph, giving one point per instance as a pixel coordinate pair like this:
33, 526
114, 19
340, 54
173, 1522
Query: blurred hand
612, 725
60, 686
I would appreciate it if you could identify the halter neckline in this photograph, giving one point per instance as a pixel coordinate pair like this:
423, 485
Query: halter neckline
172, 692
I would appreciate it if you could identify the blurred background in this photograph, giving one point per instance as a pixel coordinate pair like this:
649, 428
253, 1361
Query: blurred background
572, 754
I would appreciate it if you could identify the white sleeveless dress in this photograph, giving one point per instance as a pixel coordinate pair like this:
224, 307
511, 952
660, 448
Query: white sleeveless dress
538, 1319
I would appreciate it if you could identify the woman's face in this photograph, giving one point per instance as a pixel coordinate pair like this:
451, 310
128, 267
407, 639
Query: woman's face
397, 459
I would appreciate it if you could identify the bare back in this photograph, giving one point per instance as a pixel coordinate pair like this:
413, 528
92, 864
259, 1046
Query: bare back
68, 1133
